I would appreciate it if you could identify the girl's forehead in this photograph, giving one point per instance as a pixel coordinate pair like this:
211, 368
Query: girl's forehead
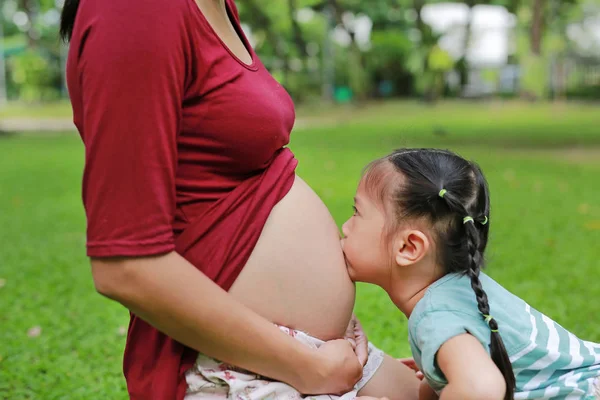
380, 180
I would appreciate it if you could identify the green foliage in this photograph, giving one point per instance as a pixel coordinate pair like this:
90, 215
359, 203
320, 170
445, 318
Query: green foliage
404, 52
34, 76
439, 60
387, 60
389, 51
490, 75
358, 74
589, 92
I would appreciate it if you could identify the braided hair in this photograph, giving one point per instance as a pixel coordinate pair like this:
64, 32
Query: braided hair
453, 195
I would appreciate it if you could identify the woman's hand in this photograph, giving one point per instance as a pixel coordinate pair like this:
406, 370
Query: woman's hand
337, 371
170, 302
357, 337
370, 398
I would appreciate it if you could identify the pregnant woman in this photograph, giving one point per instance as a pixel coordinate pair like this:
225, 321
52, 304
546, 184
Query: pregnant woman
196, 221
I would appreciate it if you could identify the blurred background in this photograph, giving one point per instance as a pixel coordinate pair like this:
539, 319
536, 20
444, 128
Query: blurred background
511, 84
351, 50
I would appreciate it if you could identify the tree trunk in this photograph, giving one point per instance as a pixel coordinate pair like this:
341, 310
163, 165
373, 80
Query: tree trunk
537, 27
427, 43
358, 84
296, 31
29, 7
463, 63
328, 55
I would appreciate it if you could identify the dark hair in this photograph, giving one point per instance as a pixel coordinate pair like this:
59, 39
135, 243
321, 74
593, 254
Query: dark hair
67, 19
443, 188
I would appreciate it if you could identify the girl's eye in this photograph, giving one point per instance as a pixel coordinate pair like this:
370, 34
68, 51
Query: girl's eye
355, 211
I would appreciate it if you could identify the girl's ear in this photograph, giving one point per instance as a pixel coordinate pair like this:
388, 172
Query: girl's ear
410, 247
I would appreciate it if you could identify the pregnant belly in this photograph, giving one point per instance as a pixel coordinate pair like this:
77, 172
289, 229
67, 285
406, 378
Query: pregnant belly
296, 275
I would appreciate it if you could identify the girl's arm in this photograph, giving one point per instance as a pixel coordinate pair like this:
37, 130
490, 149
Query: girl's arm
471, 373
173, 296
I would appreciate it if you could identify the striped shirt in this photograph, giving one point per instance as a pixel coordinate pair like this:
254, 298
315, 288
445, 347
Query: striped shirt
549, 362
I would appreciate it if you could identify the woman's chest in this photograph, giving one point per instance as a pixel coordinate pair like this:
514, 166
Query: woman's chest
235, 117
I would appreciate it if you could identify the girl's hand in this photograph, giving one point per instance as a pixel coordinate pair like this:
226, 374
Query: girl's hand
357, 337
410, 363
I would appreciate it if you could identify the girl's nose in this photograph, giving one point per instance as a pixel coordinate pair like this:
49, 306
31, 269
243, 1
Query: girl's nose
345, 229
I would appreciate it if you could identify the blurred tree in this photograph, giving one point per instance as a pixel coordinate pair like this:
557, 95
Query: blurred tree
37, 77
439, 63
537, 26
542, 38
310, 44
387, 61
296, 29
31, 9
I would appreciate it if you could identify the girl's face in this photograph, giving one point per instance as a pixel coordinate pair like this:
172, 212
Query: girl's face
365, 249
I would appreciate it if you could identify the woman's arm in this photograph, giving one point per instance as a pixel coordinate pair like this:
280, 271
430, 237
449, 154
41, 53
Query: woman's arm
471, 373
426, 392
192, 309
129, 70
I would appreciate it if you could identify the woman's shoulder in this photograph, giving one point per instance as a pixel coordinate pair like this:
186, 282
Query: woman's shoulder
126, 24
161, 12
140, 5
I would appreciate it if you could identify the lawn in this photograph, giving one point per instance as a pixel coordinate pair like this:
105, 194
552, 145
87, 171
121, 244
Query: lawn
53, 110
58, 339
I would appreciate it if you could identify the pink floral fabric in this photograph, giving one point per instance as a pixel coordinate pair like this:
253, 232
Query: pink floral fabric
212, 379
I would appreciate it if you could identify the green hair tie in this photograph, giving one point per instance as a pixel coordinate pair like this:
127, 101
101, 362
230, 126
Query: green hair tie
468, 219
442, 193
485, 220
488, 319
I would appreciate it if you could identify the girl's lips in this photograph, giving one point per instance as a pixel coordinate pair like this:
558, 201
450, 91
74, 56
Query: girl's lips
345, 258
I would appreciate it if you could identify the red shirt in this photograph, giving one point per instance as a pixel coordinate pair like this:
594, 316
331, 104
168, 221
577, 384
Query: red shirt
184, 149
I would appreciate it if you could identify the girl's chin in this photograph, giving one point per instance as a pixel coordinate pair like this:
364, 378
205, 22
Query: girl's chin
351, 273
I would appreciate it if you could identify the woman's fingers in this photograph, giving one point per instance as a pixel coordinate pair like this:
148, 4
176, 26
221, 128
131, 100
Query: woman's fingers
355, 335
362, 343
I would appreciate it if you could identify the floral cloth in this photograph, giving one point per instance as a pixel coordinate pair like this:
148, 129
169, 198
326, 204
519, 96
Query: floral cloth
212, 379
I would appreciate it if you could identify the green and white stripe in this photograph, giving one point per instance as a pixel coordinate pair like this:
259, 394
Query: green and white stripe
555, 364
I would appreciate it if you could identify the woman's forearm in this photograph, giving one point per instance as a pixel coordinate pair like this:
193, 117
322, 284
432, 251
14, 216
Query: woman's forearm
170, 294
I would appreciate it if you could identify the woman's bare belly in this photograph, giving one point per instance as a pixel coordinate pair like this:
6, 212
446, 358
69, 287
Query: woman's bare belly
296, 275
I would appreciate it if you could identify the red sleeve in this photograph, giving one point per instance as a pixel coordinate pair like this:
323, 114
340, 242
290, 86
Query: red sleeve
131, 75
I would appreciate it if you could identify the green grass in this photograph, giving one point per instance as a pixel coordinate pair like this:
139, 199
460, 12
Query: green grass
461, 123
545, 229
60, 109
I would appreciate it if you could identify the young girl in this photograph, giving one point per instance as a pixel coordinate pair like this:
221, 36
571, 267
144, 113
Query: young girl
419, 231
